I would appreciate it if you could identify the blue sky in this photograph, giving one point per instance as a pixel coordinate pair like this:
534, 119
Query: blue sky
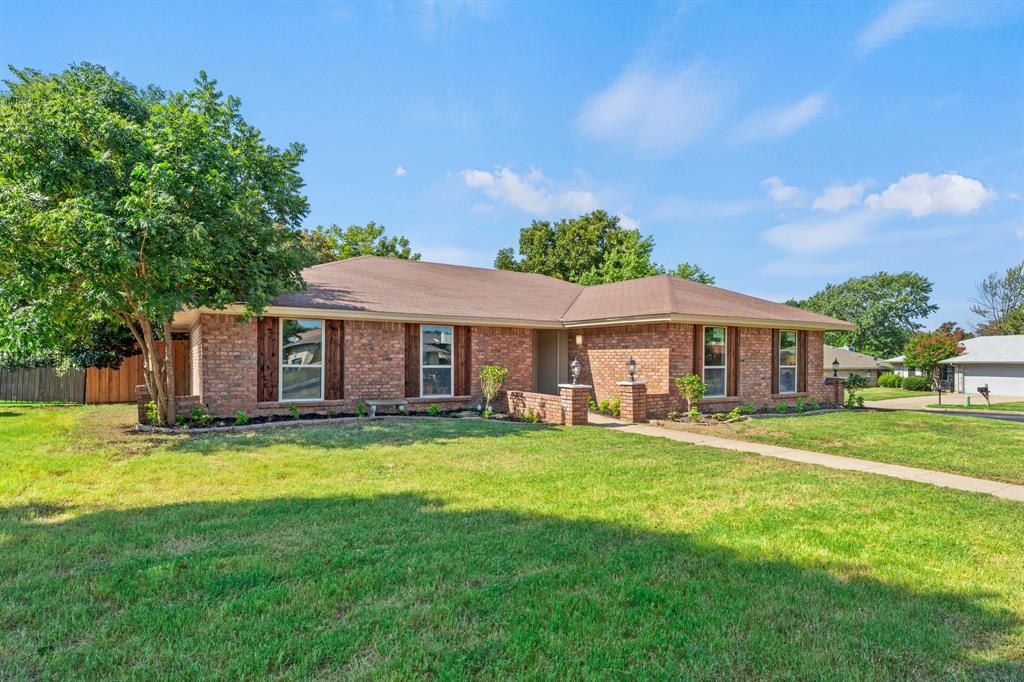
780, 146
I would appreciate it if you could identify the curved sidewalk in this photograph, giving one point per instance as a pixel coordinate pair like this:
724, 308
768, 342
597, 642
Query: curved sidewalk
1009, 491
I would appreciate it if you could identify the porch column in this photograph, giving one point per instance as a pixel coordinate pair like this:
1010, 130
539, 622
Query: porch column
837, 388
574, 402
633, 401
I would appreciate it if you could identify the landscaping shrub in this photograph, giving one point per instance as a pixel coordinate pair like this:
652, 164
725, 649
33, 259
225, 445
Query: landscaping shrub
293, 410
361, 409
241, 418
692, 389
917, 383
890, 381
491, 379
433, 409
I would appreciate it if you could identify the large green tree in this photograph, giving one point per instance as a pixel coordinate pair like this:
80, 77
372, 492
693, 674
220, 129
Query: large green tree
887, 309
590, 249
999, 302
334, 242
126, 204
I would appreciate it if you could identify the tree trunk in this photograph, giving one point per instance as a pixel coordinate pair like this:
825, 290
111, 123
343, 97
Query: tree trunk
153, 368
169, 387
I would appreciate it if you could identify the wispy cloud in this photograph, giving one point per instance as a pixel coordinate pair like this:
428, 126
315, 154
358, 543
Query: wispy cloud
820, 236
439, 16
655, 112
922, 194
531, 192
400, 171
783, 122
905, 16
781, 193
840, 197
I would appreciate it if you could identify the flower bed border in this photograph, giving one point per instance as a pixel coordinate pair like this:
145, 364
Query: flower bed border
179, 431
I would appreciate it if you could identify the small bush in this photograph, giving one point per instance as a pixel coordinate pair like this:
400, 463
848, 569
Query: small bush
917, 383
486, 414
813, 404
694, 414
531, 417
592, 404
182, 421
434, 409
199, 416
782, 409
799, 405
735, 413
241, 418
747, 409
616, 408
293, 411
890, 381
151, 414
361, 409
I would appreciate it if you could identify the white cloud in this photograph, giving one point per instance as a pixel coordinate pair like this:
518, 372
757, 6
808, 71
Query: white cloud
905, 16
654, 113
808, 267
782, 122
627, 222
839, 197
922, 194
781, 193
400, 172
528, 192
819, 236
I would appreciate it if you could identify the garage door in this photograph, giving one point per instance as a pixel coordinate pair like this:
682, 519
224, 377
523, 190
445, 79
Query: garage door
1001, 379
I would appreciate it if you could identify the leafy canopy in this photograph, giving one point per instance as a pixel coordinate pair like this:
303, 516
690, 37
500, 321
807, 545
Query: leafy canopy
1000, 302
925, 351
591, 249
338, 243
885, 307
491, 379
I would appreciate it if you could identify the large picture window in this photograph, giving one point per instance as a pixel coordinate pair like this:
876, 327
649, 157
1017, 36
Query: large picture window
302, 365
436, 360
714, 360
787, 362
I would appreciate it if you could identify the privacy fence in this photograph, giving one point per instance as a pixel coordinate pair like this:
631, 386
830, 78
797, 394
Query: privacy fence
39, 380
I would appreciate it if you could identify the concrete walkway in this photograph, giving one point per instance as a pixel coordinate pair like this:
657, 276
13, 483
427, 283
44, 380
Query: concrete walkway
921, 403
1007, 491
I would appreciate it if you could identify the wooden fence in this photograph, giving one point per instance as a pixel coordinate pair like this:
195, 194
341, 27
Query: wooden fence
103, 385
41, 384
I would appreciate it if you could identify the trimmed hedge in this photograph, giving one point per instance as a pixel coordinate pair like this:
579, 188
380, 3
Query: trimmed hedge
890, 381
917, 383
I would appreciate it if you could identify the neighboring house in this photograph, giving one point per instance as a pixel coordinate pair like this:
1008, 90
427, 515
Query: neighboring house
852, 362
899, 367
996, 361
373, 328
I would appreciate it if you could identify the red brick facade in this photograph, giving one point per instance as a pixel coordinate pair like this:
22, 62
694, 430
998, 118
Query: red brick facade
224, 366
632, 401
547, 408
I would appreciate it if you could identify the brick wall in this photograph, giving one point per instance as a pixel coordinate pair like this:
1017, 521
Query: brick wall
374, 360
510, 347
195, 354
548, 408
225, 364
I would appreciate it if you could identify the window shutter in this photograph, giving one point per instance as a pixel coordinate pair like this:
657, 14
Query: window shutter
267, 359
801, 363
412, 360
733, 361
334, 360
775, 361
698, 350
463, 358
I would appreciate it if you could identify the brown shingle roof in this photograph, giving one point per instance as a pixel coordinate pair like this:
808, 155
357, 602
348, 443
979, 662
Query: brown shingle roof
396, 288
850, 359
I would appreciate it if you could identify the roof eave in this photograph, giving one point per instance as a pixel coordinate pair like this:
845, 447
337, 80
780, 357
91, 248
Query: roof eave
728, 320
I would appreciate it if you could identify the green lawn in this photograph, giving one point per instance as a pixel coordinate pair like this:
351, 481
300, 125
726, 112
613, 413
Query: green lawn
455, 549
985, 448
880, 393
1011, 407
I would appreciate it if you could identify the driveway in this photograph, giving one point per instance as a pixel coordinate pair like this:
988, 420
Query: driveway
921, 403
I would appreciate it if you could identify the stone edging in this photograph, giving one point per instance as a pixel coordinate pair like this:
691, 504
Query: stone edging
769, 415
146, 428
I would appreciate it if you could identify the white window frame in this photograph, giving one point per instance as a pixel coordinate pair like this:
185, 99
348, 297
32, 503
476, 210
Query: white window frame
281, 363
451, 367
796, 362
725, 359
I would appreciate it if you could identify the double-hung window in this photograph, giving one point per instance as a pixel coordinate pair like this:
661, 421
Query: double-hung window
302, 365
787, 361
436, 360
714, 361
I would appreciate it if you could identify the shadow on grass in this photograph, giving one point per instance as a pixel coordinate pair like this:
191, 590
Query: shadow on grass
399, 586
386, 432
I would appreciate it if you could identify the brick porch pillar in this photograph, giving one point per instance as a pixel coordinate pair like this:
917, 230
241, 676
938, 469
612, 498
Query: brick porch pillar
141, 399
633, 401
837, 388
574, 402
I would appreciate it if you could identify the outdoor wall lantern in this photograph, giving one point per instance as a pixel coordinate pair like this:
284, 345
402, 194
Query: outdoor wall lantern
631, 368
574, 367
579, 339
835, 367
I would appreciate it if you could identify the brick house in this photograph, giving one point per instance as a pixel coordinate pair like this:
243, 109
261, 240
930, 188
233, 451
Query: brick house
374, 328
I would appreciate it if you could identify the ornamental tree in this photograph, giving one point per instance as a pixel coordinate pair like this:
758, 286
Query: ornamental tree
925, 351
491, 379
692, 388
127, 204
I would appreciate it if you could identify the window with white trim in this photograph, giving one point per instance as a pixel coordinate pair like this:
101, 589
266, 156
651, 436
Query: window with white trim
714, 360
302, 365
436, 342
787, 361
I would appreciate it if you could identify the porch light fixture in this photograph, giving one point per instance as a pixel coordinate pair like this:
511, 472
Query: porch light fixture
579, 339
574, 367
835, 367
631, 368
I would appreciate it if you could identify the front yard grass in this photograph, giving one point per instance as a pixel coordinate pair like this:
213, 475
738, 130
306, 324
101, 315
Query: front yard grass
455, 549
1009, 407
985, 448
882, 393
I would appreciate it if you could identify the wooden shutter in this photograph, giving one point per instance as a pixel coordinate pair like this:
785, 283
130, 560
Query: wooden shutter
801, 361
334, 360
268, 361
775, 361
463, 358
733, 360
412, 360
698, 350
